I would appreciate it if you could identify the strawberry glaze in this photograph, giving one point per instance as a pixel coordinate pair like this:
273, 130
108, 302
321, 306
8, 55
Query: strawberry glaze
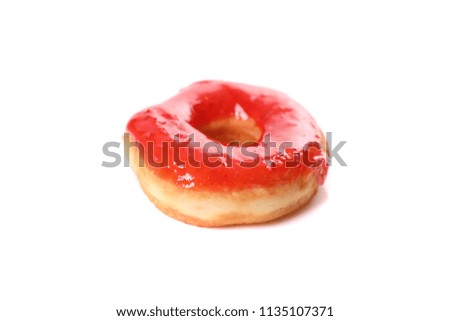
178, 118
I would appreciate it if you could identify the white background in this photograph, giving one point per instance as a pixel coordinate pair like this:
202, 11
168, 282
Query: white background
78, 240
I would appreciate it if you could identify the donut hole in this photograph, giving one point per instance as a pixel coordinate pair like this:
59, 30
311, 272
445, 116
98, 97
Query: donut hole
232, 131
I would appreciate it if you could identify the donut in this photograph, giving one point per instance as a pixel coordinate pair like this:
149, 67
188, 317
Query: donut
221, 153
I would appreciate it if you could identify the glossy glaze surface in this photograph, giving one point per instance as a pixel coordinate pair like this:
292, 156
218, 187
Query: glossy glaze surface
169, 135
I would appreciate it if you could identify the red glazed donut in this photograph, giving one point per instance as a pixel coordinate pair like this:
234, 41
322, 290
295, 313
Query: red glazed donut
221, 153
